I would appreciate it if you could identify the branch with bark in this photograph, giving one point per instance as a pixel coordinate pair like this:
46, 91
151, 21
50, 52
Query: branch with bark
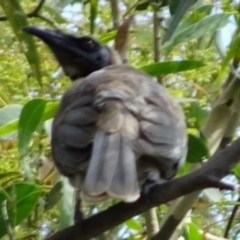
35, 13
208, 176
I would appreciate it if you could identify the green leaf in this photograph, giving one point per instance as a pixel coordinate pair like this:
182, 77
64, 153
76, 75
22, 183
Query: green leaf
133, 224
20, 198
206, 25
163, 68
142, 5
106, 37
30, 118
178, 8
9, 127
18, 19
197, 114
197, 149
236, 171
192, 232
9, 115
232, 52
49, 112
53, 196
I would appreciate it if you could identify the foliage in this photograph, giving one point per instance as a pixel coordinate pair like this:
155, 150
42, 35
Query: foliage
195, 62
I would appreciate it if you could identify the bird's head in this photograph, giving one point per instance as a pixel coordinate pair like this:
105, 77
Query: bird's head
78, 56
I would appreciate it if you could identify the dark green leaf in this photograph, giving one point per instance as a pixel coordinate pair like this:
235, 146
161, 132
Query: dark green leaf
178, 8
20, 199
206, 25
196, 16
143, 6
53, 196
163, 68
49, 112
30, 118
197, 149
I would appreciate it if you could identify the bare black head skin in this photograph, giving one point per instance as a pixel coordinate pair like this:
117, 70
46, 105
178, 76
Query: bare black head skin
78, 56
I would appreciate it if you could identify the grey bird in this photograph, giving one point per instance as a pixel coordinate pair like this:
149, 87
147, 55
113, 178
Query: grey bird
116, 128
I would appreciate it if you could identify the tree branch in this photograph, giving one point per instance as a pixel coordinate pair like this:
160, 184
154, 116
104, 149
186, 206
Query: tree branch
34, 13
208, 176
231, 219
115, 13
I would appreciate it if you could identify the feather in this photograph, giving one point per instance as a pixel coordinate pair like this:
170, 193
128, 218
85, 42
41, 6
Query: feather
124, 184
81, 116
103, 163
74, 136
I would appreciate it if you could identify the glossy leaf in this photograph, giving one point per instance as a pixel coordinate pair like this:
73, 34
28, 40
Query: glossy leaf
9, 127
178, 8
30, 118
197, 149
9, 116
53, 196
9, 113
20, 199
163, 68
49, 112
206, 25
134, 224
192, 232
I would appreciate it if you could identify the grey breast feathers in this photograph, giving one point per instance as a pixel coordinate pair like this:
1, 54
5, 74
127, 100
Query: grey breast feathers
110, 119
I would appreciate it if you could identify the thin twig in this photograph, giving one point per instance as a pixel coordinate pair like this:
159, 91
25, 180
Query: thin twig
230, 222
34, 14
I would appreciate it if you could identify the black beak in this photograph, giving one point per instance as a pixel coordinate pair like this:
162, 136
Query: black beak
79, 56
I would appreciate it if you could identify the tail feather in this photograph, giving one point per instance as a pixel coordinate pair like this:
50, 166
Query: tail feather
102, 164
124, 184
112, 168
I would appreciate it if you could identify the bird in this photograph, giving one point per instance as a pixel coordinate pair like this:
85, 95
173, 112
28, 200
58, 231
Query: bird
117, 129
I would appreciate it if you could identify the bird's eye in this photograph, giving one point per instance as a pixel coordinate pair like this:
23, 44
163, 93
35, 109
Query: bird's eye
89, 44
